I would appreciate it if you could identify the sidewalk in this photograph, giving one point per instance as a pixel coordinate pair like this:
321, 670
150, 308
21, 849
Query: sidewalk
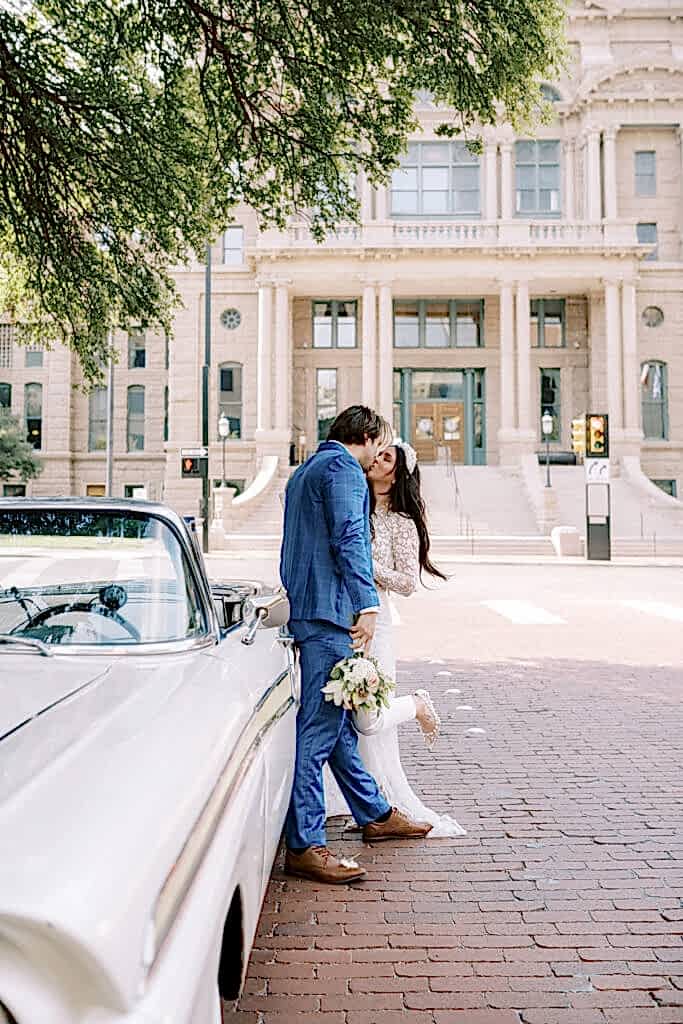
564, 903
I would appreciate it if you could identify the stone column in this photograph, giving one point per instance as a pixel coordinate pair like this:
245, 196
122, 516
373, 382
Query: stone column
381, 202
506, 433
593, 196
506, 184
610, 168
569, 202
490, 183
369, 347
630, 363
282, 358
264, 358
527, 434
365, 197
385, 389
613, 345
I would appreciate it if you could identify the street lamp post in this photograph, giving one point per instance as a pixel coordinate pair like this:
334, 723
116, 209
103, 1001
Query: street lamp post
547, 428
223, 433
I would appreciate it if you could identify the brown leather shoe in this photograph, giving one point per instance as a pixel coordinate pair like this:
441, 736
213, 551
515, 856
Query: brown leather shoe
319, 864
397, 826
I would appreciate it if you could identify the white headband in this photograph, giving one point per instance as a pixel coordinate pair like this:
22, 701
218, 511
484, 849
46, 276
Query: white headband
408, 451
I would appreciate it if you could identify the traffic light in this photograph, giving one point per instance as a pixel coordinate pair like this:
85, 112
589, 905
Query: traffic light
579, 435
597, 442
190, 465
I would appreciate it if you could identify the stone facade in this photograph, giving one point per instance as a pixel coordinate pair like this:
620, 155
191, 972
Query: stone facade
617, 184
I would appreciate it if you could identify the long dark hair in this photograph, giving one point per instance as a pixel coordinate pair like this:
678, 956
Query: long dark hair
405, 498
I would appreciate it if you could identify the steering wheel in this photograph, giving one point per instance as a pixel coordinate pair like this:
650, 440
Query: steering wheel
83, 606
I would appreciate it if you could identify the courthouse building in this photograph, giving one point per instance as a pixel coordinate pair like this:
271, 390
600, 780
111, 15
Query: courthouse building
477, 293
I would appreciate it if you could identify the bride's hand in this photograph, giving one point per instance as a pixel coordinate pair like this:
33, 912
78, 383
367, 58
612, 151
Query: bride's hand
363, 631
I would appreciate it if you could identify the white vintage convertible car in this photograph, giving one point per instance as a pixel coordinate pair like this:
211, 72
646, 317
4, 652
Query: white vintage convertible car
146, 754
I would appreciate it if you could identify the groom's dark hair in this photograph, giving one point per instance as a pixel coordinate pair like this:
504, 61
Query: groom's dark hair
355, 424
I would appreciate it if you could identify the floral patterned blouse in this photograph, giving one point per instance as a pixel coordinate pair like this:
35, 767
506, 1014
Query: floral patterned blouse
395, 552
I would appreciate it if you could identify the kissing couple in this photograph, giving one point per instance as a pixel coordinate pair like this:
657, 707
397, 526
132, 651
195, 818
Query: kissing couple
354, 530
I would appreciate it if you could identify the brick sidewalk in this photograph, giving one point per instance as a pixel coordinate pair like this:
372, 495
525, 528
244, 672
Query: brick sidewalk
564, 903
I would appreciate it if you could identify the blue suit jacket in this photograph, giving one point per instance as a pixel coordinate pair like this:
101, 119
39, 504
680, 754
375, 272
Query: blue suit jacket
326, 557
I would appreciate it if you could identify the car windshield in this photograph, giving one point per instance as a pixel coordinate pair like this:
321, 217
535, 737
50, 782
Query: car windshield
93, 578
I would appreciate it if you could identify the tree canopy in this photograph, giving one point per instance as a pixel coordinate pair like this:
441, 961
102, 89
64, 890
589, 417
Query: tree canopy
17, 455
130, 129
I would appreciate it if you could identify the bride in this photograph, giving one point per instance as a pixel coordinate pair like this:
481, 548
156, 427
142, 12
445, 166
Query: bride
400, 550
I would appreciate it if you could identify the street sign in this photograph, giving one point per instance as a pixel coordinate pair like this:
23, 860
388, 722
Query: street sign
194, 453
597, 471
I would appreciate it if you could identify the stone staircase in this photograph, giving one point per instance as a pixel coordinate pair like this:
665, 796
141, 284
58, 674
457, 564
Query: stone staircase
486, 511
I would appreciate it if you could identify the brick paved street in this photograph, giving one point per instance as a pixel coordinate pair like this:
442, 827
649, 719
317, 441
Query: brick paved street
564, 903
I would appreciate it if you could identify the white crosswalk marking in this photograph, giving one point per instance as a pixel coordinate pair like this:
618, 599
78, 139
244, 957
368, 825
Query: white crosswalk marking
524, 613
658, 608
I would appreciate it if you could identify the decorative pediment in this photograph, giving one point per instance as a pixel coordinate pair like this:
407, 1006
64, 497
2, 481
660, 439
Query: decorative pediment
659, 80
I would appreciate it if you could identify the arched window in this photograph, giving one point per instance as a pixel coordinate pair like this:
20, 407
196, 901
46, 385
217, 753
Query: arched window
654, 402
549, 92
230, 397
97, 420
136, 419
33, 414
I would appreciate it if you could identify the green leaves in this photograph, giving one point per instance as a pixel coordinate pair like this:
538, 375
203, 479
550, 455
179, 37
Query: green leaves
17, 456
131, 130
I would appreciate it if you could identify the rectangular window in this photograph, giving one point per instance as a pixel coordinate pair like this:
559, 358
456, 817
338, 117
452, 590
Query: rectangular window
646, 172
14, 490
137, 352
34, 358
668, 486
654, 400
138, 491
33, 414
97, 420
166, 413
136, 420
438, 323
230, 399
334, 324
550, 402
537, 178
647, 235
547, 323
326, 401
437, 179
6, 345
5, 396
233, 245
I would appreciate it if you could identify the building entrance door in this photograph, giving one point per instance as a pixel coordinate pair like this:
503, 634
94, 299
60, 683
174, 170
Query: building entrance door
439, 425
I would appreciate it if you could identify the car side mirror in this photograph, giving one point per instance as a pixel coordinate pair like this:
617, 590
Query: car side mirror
270, 611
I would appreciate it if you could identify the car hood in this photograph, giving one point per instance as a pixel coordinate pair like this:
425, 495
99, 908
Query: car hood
29, 688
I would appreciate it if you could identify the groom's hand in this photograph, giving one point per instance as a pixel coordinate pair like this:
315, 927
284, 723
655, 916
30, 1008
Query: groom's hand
363, 631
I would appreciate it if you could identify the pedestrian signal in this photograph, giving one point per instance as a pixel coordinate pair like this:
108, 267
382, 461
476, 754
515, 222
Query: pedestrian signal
597, 441
190, 465
579, 435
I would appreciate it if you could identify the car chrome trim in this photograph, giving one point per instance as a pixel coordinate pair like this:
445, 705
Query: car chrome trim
54, 704
271, 707
26, 641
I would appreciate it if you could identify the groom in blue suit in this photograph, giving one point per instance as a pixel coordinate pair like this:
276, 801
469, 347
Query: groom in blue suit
326, 568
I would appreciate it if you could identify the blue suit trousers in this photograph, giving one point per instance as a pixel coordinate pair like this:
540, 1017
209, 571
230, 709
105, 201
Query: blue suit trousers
324, 733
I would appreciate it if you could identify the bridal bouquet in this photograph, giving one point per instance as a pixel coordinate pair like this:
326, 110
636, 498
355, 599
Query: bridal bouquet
358, 684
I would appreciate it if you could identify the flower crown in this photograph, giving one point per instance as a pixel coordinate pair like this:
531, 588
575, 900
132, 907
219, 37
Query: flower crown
408, 451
